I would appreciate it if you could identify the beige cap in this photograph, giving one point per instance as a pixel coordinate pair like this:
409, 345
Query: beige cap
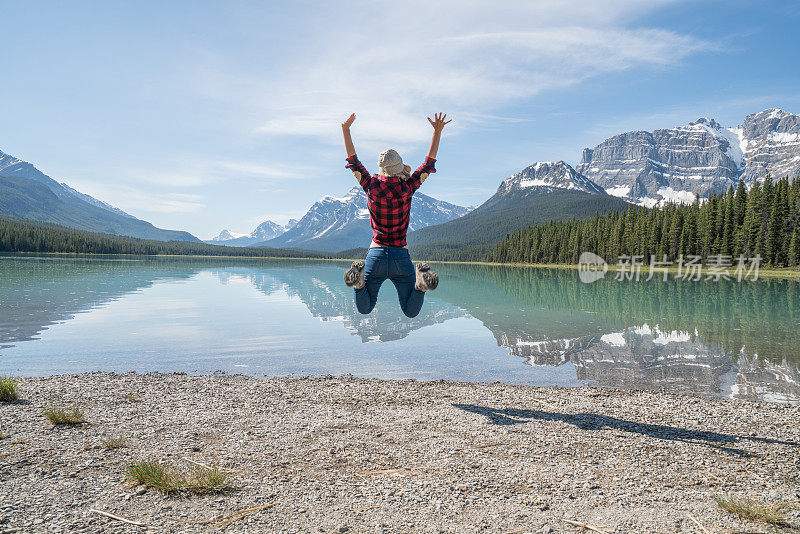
391, 164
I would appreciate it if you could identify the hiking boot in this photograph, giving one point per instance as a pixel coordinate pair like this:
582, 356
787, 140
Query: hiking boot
426, 279
354, 276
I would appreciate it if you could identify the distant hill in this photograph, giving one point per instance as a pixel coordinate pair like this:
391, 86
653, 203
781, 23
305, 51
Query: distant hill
21, 235
28, 193
541, 192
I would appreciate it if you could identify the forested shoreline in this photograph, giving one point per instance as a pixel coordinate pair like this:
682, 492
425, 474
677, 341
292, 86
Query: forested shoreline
19, 235
764, 221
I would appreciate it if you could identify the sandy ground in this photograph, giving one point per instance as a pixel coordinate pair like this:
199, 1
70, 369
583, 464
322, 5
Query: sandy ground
343, 454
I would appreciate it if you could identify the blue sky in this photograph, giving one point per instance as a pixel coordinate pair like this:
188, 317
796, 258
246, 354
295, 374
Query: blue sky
199, 115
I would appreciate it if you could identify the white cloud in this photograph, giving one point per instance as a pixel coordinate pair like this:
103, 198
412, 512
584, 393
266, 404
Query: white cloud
459, 57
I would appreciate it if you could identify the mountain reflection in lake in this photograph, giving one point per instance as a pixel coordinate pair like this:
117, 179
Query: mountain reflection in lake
530, 326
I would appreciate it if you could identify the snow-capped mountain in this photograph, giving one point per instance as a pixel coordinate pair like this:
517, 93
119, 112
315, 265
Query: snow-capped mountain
339, 223
28, 193
263, 232
542, 192
226, 235
688, 162
549, 174
267, 230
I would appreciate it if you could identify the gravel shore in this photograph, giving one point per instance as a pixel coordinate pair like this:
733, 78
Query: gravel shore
345, 454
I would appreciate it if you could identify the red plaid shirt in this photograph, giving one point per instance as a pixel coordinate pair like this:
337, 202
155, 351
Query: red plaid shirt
389, 200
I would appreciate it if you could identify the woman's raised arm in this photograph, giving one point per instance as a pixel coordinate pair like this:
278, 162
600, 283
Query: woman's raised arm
348, 141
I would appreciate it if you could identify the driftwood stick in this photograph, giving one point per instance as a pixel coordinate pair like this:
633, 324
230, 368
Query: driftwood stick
117, 518
383, 471
583, 526
699, 525
543, 402
246, 511
197, 463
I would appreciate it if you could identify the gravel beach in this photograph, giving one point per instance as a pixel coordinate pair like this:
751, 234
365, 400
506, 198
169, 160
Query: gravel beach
345, 454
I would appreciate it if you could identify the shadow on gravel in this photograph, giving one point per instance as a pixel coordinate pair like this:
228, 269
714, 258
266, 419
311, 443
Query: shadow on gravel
592, 421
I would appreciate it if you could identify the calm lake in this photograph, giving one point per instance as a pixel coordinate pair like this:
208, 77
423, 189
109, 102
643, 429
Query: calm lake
483, 323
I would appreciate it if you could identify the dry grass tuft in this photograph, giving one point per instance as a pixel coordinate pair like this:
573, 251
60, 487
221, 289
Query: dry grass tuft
8, 389
61, 416
752, 510
201, 481
115, 443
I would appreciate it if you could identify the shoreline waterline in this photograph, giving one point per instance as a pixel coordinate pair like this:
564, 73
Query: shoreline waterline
788, 273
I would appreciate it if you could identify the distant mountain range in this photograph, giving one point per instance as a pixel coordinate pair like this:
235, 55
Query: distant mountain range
678, 164
263, 232
645, 168
28, 193
333, 224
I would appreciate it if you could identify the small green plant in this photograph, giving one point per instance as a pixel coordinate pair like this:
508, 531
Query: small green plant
201, 481
752, 510
8, 389
115, 443
132, 398
156, 475
210, 479
61, 416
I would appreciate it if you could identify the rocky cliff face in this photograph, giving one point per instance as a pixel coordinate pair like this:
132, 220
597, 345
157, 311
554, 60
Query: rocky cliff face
688, 162
676, 164
771, 144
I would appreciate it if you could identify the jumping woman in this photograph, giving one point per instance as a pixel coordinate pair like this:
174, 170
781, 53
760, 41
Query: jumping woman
389, 201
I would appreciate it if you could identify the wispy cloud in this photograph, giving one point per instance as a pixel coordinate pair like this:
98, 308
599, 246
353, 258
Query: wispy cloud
468, 60
138, 201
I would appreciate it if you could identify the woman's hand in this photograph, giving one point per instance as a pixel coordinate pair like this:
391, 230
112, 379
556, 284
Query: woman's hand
350, 120
438, 125
438, 122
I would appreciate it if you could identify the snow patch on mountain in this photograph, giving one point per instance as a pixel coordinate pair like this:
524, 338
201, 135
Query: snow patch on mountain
619, 191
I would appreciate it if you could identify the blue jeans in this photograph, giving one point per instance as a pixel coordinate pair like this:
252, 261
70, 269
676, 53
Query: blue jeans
395, 264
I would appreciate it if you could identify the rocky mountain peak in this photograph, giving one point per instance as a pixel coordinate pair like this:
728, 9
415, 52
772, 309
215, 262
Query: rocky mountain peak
225, 235
549, 174
705, 121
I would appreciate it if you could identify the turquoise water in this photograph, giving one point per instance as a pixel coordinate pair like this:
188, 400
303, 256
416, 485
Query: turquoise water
281, 317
